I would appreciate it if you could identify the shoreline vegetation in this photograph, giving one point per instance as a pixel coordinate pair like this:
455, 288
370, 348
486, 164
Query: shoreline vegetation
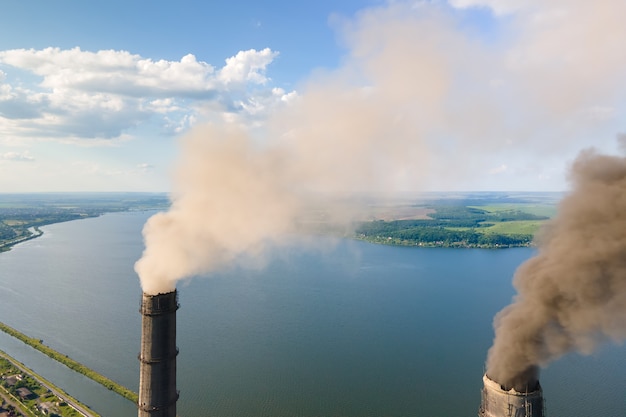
22, 215
71, 363
486, 220
459, 226
48, 397
36, 232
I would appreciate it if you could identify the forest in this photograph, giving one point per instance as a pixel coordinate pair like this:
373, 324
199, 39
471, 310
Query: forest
456, 226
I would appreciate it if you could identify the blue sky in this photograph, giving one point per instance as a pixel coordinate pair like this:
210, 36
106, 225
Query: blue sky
212, 31
501, 95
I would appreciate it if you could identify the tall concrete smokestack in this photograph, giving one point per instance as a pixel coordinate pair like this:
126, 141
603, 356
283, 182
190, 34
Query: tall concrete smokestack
499, 402
157, 377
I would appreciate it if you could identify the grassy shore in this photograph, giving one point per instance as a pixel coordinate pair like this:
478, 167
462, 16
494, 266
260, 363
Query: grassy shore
71, 363
65, 404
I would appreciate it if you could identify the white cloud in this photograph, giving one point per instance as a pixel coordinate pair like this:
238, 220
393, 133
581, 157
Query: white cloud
117, 72
247, 66
102, 94
261, 102
163, 105
254, 108
5, 91
18, 103
499, 7
16, 156
179, 125
284, 96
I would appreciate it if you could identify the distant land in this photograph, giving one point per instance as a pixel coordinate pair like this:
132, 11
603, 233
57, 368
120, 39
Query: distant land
21, 215
461, 219
470, 220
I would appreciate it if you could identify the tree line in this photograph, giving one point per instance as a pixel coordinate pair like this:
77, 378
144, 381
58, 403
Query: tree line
448, 226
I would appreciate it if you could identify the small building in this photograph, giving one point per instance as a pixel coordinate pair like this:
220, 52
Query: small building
47, 407
25, 393
13, 379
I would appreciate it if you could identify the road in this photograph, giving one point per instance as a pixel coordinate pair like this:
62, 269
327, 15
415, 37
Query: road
10, 400
62, 396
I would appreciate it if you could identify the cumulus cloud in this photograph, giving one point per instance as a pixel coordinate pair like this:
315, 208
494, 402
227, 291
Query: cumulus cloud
101, 94
261, 103
416, 92
114, 72
17, 103
247, 66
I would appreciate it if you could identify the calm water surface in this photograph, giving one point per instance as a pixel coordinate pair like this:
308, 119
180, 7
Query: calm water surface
352, 330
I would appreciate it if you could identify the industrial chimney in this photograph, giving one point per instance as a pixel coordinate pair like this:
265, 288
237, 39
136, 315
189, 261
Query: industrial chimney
157, 375
498, 402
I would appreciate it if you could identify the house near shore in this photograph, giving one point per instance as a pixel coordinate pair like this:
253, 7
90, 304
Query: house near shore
25, 394
48, 407
13, 379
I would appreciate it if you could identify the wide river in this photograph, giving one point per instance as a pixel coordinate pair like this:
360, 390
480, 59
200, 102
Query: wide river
334, 328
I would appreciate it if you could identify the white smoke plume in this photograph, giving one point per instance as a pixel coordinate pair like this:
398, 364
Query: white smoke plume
421, 101
572, 294
230, 199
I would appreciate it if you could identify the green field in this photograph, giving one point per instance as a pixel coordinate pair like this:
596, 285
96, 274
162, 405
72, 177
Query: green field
491, 220
517, 227
521, 227
548, 210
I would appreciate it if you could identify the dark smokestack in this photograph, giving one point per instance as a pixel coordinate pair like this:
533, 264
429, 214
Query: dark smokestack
525, 381
498, 401
157, 378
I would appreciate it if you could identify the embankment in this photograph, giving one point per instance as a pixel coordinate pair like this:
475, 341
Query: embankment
71, 363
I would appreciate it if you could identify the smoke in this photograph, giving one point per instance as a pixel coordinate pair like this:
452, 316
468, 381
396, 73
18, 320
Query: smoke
422, 100
231, 198
572, 294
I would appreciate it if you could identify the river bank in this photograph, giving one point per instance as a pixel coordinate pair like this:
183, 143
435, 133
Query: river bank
21, 215
5, 246
70, 363
381, 240
54, 397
